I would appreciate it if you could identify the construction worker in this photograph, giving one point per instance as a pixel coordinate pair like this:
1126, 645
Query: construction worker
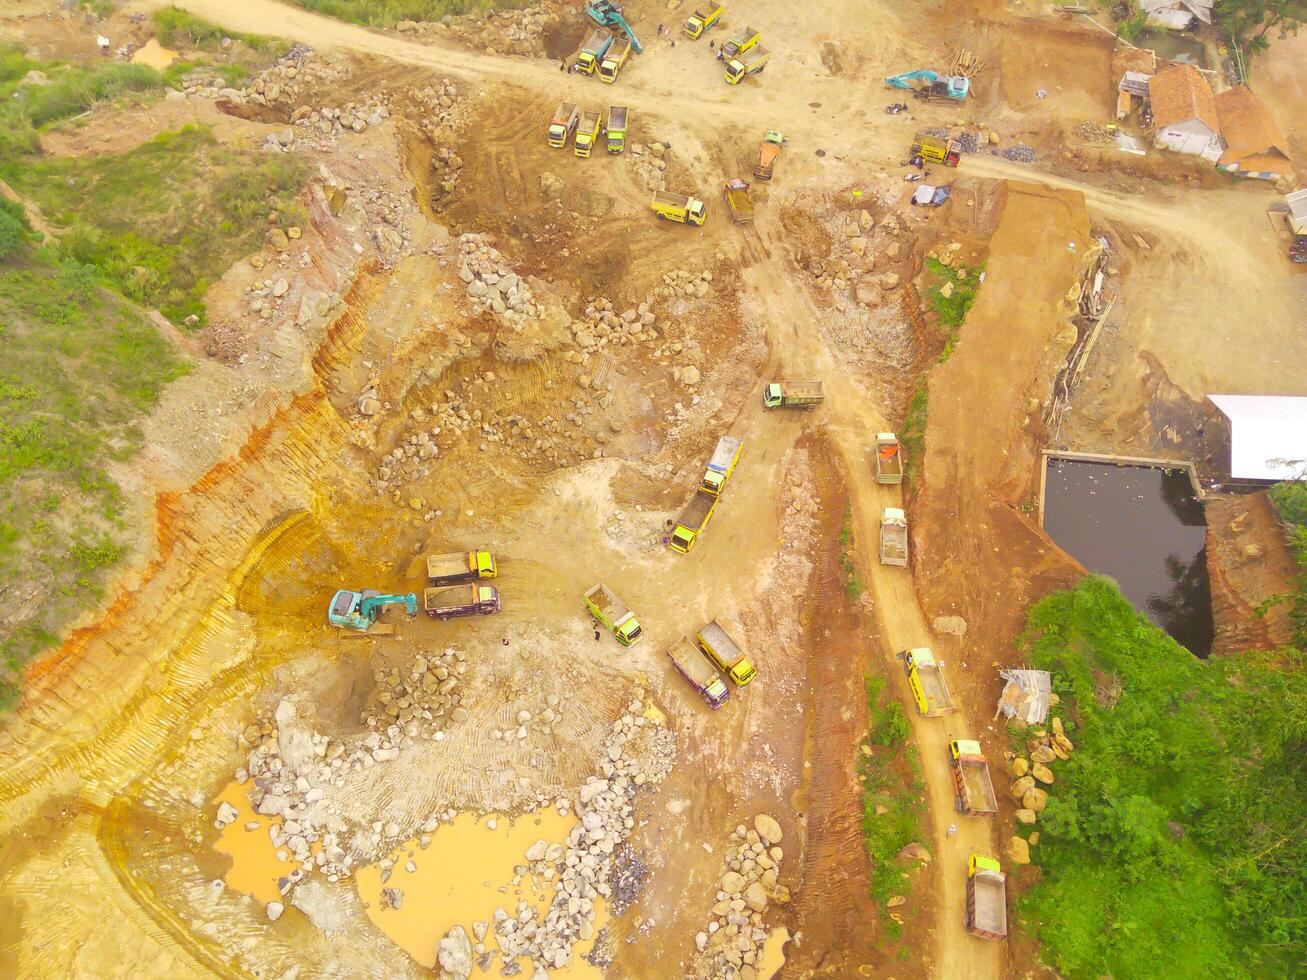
103, 41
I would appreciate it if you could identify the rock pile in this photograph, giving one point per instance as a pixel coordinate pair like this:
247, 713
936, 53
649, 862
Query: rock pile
1020, 153
491, 286
333, 120
434, 108
500, 32
650, 163
602, 325
733, 941
860, 245
1045, 748
638, 752
1094, 133
419, 703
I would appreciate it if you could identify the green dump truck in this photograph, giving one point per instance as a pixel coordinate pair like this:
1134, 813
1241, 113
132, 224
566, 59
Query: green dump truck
617, 116
613, 614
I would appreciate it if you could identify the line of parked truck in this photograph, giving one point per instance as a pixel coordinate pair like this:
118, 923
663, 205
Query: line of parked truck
986, 912
585, 127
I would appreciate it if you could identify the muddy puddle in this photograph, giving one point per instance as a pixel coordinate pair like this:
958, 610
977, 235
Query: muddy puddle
155, 55
257, 867
1143, 527
773, 954
462, 877
464, 874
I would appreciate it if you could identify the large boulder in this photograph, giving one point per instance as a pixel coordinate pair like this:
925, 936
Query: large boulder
913, 851
768, 829
455, 955
1042, 773
755, 897
1023, 786
1020, 766
1036, 800
1026, 816
732, 883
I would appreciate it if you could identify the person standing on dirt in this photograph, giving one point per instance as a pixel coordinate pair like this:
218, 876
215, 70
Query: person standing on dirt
562, 64
596, 634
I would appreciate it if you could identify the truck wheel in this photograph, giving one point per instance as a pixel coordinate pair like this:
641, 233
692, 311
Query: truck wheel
443, 619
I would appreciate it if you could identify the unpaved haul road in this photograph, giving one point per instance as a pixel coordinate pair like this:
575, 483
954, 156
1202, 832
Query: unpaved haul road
851, 418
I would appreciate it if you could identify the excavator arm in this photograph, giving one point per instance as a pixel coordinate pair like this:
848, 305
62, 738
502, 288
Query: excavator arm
371, 607
905, 80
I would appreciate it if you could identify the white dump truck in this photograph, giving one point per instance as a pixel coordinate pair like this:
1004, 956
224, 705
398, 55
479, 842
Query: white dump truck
893, 537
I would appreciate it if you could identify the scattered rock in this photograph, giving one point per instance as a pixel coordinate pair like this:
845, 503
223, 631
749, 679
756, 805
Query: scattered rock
1018, 851
913, 852
274, 910
896, 901
1026, 816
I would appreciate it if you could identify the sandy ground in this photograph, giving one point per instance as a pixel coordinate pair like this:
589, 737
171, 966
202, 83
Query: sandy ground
264, 505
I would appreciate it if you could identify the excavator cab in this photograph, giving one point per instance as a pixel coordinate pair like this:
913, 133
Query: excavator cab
359, 610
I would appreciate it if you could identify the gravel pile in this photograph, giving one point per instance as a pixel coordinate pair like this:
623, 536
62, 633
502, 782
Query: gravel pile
968, 142
1020, 153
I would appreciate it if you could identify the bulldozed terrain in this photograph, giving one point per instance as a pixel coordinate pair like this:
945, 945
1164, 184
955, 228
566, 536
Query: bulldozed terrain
404, 324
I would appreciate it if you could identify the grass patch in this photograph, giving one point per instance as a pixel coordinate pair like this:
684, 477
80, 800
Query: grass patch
852, 583
1290, 500
893, 804
388, 13
950, 297
164, 220
175, 28
913, 436
80, 367
1173, 844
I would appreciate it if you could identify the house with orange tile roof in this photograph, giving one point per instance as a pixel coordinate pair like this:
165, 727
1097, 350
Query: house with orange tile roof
1184, 113
1254, 145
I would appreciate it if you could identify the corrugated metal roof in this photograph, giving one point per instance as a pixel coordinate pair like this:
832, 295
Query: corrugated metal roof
1268, 435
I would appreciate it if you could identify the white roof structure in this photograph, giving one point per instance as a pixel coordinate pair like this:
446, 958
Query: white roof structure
1202, 9
1268, 436
1298, 211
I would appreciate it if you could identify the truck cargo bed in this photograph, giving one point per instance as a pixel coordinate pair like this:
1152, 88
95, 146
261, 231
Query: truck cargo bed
990, 905
979, 787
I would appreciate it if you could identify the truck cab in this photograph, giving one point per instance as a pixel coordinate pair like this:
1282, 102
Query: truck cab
705, 16
678, 207
563, 123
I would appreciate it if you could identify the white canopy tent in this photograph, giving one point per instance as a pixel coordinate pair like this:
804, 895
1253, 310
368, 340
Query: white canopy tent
1268, 436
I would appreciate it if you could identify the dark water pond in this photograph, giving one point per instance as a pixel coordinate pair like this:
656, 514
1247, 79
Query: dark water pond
1143, 527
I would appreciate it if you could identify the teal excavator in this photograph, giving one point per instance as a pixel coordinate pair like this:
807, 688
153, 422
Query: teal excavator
606, 13
942, 88
359, 610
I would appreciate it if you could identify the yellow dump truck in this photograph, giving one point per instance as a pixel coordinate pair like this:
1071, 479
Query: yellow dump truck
678, 207
894, 537
563, 124
926, 681
738, 201
460, 566
725, 653
739, 42
705, 17
692, 522
889, 458
986, 898
587, 132
461, 600
595, 47
935, 150
612, 613
752, 62
971, 777
614, 60
721, 464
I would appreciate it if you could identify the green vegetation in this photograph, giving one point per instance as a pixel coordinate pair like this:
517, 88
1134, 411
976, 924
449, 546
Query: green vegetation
175, 28
167, 218
950, 297
1290, 500
893, 803
1173, 843
79, 369
913, 436
1249, 23
388, 13
852, 583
